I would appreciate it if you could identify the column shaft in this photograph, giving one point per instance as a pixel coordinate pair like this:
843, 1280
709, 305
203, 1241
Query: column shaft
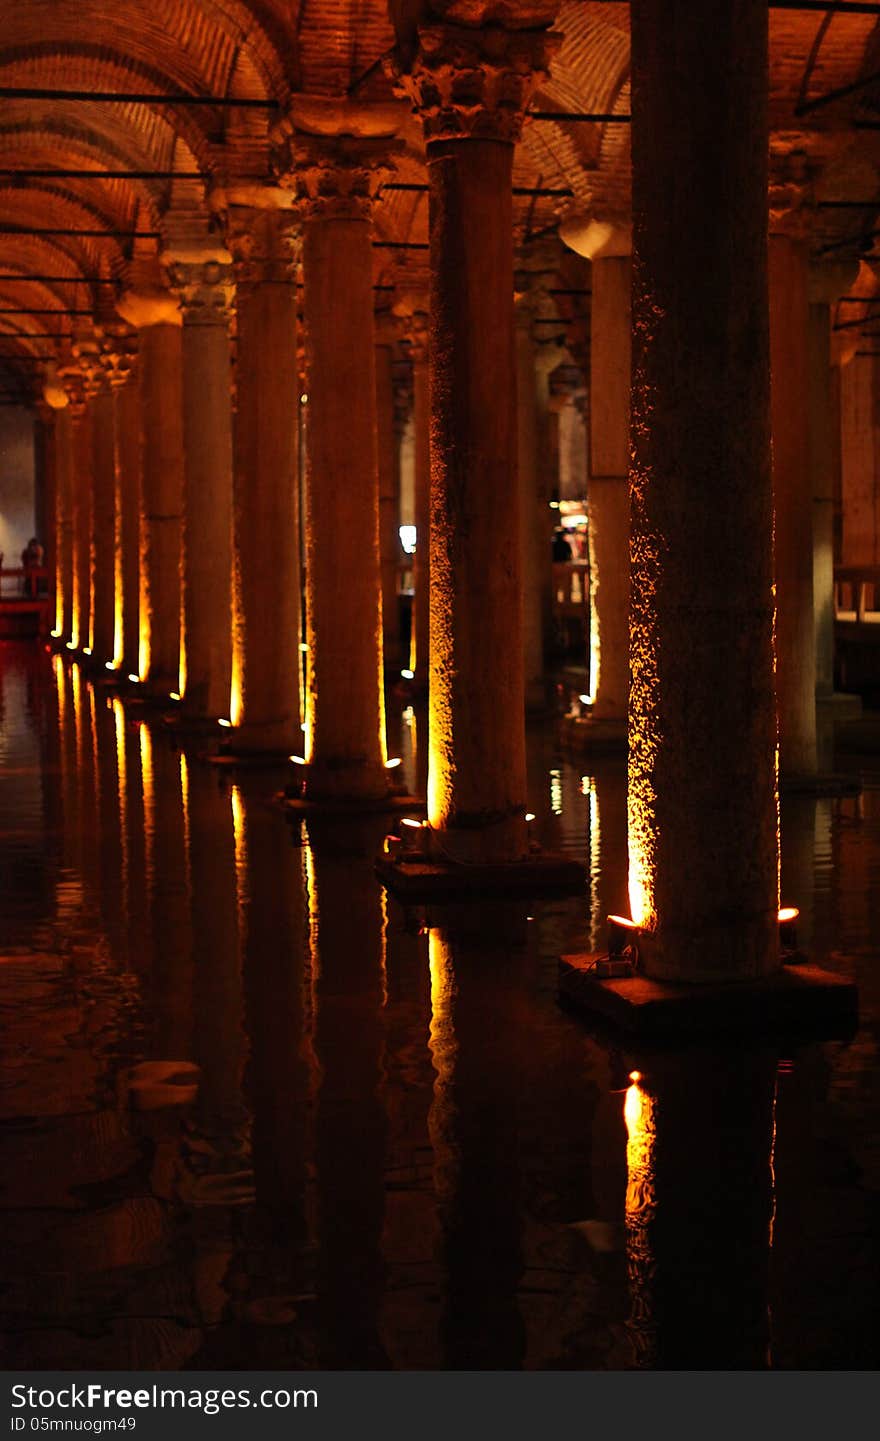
104, 525
608, 496
535, 551
46, 501
821, 421
476, 779
207, 572
64, 526
858, 436
702, 728
82, 531
266, 574
130, 441
420, 644
792, 496
389, 505
161, 506
346, 750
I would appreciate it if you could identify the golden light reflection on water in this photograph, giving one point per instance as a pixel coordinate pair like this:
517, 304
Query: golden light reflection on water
148, 790
639, 1115
443, 1047
122, 792
240, 844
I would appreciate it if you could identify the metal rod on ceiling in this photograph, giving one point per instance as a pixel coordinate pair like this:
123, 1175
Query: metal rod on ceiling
579, 117
71, 174
416, 188
61, 279
59, 310
861, 239
101, 234
401, 245
135, 97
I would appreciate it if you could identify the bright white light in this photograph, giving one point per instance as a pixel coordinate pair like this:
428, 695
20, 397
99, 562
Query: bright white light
304, 399
70, 645
530, 815
303, 647
87, 650
297, 760
222, 721
56, 633
585, 699
417, 825
408, 674
408, 537
109, 665
389, 765
174, 695
135, 679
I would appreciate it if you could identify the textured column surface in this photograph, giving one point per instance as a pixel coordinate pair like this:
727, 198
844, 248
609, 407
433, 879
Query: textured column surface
792, 497
703, 852
420, 643
345, 706
206, 662
266, 570
859, 462
161, 506
46, 490
472, 87
64, 458
104, 523
389, 505
82, 530
128, 429
608, 491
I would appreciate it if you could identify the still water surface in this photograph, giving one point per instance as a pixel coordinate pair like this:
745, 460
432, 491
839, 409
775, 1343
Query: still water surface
256, 1115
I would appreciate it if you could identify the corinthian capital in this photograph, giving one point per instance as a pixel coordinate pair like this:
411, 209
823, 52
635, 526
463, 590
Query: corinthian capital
476, 79
264, 245
790, 193
338, 177
205, 289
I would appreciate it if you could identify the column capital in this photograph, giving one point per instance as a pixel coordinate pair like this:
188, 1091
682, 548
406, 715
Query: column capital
205, 288
265, 246
469, 83
336, 177
790, 194
413, 315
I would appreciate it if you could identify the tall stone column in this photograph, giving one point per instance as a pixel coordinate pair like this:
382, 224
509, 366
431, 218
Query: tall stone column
335, 181
205, 289
472, 87
790, 423
827, 283
389, 492
82, 527
703, 855
64, 458
46, 503
104, 524
130, 447
860, 500
155, 313
266, 570
530, 535
414, 311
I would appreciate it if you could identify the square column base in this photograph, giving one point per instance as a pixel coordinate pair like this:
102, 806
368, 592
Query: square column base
351, 805
419, 879
799, 1000
586, 733
800, 783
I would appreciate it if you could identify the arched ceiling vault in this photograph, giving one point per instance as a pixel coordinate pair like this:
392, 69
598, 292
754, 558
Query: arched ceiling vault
265, 51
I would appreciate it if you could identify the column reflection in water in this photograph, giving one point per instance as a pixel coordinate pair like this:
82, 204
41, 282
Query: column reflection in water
273, 1282
170, 984
699, 1208
479, 1035
605, 790
69, 891
112, 842
349, 988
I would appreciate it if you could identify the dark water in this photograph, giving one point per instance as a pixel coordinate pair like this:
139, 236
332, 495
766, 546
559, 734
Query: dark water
256, 1115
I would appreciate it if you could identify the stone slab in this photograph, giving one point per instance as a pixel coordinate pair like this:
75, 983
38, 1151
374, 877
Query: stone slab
585, 734
381, 805
422, 880
833, 784
799, 999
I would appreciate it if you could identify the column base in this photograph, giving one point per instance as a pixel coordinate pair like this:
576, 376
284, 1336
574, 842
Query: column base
798, 1000
417, 878
302, 805
839, 705
591, 733
810, 784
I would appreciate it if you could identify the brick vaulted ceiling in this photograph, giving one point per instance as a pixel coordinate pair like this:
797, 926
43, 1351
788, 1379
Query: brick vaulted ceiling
269, 50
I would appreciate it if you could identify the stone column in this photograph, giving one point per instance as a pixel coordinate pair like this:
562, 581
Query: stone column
46, 506
205, 289
827, 283
703, 853
266, 571
389, 493
155, 313
335, 181
790, 423
530, 534
860, 544
64, 525
414, 310
104, 524
472, 87
82, 528
130, 444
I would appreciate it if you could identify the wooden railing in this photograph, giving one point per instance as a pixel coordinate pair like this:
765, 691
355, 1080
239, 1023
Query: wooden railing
19, 582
